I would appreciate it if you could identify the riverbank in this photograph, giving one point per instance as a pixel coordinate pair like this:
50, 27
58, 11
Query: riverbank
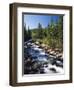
58, 53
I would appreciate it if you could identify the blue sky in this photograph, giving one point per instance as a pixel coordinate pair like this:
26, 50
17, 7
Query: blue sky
33, 20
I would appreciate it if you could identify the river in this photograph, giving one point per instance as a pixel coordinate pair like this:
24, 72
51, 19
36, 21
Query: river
39, 61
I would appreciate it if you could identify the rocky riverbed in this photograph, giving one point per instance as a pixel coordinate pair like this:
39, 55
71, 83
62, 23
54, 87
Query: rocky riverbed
39, 59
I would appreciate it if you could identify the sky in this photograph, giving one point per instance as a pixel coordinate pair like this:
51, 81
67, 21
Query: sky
32, 20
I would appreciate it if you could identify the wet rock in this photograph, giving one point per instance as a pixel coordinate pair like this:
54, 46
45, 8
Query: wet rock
53, 69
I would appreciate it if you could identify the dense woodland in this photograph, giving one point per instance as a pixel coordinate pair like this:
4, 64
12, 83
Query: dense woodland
51, 36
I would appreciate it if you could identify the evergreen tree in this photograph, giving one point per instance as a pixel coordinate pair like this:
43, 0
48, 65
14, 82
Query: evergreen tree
29, 33
25, 33
40, 31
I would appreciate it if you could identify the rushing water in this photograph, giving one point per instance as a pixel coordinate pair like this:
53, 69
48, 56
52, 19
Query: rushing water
39, 61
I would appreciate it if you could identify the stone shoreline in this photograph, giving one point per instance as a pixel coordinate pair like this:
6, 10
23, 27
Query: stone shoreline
55, 52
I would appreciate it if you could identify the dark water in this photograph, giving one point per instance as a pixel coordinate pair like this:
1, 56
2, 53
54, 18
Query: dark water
38, 61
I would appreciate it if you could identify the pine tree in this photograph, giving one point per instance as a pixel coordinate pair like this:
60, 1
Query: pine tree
40, 31
29, 33
25, 33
